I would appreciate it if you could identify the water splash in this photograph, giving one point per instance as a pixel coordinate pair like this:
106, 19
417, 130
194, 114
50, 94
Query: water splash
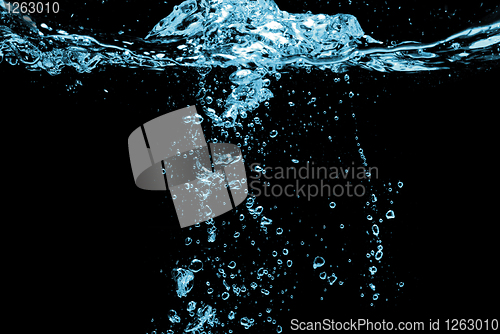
256, 37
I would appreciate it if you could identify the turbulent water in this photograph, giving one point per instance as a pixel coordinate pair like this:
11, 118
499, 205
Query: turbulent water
257, 40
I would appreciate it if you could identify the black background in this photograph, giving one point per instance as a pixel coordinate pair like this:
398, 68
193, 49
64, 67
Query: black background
101, 240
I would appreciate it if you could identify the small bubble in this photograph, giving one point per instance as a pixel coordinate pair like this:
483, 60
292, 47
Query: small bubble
279, 231
390, 214
400, 184
322, 275
295, 161
273, 133
285, 251
332, 205
232, 265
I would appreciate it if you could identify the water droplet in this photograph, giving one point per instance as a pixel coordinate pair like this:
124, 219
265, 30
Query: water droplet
332, 205
273, 133
390, 214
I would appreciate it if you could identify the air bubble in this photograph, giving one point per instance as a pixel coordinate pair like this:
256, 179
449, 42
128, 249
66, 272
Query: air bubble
196, 265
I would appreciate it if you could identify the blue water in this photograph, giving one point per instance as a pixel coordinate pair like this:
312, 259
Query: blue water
258, 42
